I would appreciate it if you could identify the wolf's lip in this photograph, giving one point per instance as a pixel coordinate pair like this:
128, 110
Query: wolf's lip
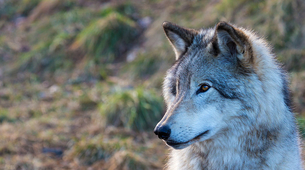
173, 144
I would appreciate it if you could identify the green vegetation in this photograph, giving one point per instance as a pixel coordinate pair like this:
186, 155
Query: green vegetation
109, 36
80, 81
301, 123
4, 116
137, 109
77, 33
9, 9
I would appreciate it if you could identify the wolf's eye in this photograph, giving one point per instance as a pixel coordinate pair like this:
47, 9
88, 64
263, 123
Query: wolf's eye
203, 88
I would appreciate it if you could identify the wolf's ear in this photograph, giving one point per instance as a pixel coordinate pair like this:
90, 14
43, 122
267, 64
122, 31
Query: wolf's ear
232, 40
179, 37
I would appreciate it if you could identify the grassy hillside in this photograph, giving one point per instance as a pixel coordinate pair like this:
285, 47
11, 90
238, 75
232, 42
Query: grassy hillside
80, 81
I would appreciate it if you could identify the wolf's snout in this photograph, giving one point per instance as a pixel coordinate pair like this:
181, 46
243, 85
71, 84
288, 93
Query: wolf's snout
163, 132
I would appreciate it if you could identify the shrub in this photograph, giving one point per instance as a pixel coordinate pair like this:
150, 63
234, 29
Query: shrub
137, 109
107, 37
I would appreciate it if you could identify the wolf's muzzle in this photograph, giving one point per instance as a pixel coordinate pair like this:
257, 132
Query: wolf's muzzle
163, 132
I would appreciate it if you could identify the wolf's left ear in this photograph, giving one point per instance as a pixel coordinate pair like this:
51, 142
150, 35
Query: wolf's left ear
179, 37
232, 40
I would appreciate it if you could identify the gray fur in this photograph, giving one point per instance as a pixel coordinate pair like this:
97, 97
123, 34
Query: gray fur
246, 114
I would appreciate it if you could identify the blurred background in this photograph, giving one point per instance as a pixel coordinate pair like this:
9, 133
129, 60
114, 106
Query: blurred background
80, 80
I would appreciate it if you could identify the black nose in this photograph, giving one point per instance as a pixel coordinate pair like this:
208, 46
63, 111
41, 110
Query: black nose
163, 132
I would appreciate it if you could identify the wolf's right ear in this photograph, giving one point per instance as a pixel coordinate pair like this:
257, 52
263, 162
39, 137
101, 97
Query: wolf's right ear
179, 37
233, 40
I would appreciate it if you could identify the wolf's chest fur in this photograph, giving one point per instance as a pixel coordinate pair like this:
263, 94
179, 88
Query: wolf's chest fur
228, 103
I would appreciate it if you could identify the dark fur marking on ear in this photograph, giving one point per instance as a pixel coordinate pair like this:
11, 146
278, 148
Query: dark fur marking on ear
186, 34
235, 35
240, 38
215, 51
232, 46
180, 38
233, 38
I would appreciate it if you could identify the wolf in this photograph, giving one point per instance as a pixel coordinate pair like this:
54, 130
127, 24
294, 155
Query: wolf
228, 103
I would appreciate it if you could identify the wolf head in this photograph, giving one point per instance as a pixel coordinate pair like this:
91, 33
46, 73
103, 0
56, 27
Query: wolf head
210, 85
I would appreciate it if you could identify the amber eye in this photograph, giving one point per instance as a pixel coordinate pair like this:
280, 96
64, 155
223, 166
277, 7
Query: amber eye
204, 87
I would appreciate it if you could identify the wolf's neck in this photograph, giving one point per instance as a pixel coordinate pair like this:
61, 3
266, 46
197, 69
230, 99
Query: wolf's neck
254, 150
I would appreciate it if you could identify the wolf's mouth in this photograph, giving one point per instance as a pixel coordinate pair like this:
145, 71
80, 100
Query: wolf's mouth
175, 144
